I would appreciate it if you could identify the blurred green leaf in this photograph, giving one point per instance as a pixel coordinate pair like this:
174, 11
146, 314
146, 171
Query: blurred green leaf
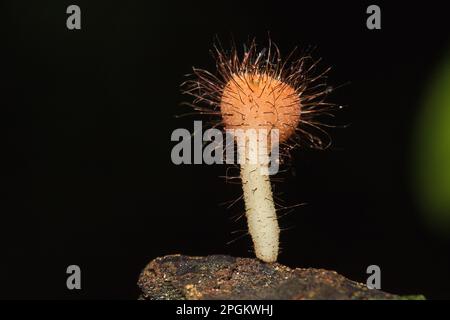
433, 150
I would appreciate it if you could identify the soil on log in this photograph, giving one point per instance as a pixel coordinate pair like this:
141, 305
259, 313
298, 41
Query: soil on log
178, 277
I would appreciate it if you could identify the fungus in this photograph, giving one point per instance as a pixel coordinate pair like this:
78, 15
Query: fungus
260, 91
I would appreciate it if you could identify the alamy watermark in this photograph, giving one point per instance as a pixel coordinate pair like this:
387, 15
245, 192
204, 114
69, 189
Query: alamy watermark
73, 281
231, 146
374, 280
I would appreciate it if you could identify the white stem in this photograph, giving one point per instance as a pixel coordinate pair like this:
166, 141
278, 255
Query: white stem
260, 210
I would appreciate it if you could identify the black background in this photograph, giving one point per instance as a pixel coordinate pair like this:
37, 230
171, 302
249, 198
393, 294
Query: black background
88, 178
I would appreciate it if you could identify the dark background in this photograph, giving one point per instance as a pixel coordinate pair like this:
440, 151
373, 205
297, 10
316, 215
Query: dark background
88, 114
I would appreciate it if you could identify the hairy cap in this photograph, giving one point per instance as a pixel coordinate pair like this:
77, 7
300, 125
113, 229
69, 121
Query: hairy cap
259, 101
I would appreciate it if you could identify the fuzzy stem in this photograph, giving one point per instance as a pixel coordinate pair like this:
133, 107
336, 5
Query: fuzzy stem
260, 211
